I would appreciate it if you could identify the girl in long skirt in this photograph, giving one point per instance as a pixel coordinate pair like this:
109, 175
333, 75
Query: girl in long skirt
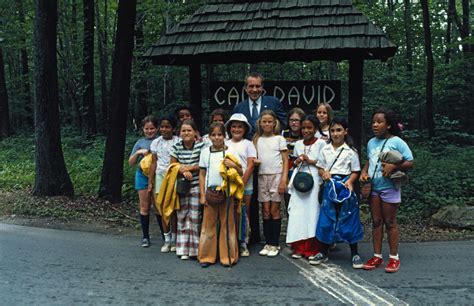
303, 208
187, 152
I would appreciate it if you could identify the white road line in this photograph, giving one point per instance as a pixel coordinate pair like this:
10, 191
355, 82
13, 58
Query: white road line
353, 290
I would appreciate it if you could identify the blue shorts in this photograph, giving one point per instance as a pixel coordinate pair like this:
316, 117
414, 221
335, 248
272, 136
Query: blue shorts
391, 195
141, 180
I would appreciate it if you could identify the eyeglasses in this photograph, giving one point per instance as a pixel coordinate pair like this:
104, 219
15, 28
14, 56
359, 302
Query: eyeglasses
294, 120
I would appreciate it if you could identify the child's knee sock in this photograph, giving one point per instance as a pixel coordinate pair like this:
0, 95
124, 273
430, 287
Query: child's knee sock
145, 222
160, 224
354, 250
276, 231
267, 231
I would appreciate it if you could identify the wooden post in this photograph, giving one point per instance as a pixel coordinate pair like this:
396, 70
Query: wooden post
356, 72
195, 93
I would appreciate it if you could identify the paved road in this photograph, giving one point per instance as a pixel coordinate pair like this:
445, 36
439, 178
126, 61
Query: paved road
44, 266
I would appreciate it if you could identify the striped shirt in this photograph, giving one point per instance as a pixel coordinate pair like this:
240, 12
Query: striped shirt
189, 157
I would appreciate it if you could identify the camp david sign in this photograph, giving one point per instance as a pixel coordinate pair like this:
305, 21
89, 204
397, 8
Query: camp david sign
303, 94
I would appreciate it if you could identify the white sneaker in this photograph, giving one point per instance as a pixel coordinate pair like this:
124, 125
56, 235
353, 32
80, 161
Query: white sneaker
265, 250
274, 251
173, 248
244, 251
184, 257
296, 256
165, 248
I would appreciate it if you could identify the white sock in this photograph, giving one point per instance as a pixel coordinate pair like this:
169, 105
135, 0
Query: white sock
378, 255
173, 238
395, 257
167, 237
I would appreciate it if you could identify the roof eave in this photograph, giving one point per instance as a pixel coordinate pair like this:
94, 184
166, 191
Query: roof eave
270, 56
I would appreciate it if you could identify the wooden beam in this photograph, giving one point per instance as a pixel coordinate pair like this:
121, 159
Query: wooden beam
356, 72
195, 93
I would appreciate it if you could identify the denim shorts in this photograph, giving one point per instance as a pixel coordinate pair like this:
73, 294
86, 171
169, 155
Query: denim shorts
141, 181
391, 195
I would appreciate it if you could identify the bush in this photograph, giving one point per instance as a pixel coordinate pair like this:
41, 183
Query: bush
441, 177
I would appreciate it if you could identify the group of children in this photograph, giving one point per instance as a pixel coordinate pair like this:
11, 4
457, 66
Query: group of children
208, 219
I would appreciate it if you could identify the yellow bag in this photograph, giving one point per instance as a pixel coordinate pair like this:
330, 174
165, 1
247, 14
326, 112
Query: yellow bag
145, 163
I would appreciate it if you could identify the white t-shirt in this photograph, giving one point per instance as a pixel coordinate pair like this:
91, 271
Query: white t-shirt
243, 150
211, 161
162, 148
347, 162
269, 153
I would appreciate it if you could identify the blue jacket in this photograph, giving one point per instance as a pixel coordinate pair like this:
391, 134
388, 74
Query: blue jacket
344, 226
268, 102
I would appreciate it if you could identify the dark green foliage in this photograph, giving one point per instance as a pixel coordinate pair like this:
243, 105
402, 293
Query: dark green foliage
83, 160
439, 179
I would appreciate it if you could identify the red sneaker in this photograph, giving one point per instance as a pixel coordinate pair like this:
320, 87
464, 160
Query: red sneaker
392, 266
373, 263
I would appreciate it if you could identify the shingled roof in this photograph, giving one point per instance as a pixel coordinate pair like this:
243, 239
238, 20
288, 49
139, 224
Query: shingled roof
287, 30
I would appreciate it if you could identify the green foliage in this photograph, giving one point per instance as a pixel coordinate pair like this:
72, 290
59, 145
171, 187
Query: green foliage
17, 168
83, 161
441, 177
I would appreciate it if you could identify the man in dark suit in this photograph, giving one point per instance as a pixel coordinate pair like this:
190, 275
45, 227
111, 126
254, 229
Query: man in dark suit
251, 108
256, 103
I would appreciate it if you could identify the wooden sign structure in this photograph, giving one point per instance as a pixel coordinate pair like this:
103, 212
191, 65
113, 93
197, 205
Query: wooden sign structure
303, 94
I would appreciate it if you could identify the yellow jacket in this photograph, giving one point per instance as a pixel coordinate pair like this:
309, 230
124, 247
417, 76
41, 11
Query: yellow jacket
167, 199
145, 163
234, 178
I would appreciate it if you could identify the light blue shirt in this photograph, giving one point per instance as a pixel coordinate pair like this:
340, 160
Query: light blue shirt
374, 147
259, 105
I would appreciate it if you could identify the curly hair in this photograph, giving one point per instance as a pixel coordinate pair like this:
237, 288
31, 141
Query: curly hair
391, 118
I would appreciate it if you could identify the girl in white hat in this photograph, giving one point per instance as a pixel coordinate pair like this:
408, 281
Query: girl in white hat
237, 127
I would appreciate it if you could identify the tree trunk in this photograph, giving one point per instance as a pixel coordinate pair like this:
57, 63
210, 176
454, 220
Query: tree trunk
25, 72
466, 31
5, 129
429, 68
449, 28
51, 177
104, 64
112, 170
89, 127
75, 82
408, 36
141, 107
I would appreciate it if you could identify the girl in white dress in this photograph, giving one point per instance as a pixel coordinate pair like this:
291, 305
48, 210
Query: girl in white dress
303, 209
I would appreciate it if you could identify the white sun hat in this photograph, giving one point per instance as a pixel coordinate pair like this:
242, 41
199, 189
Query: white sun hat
238, 117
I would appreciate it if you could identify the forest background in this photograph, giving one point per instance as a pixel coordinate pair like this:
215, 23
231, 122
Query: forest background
428, 82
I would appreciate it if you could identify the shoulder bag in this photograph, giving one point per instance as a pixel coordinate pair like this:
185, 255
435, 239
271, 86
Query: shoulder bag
183, 185
303, 181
